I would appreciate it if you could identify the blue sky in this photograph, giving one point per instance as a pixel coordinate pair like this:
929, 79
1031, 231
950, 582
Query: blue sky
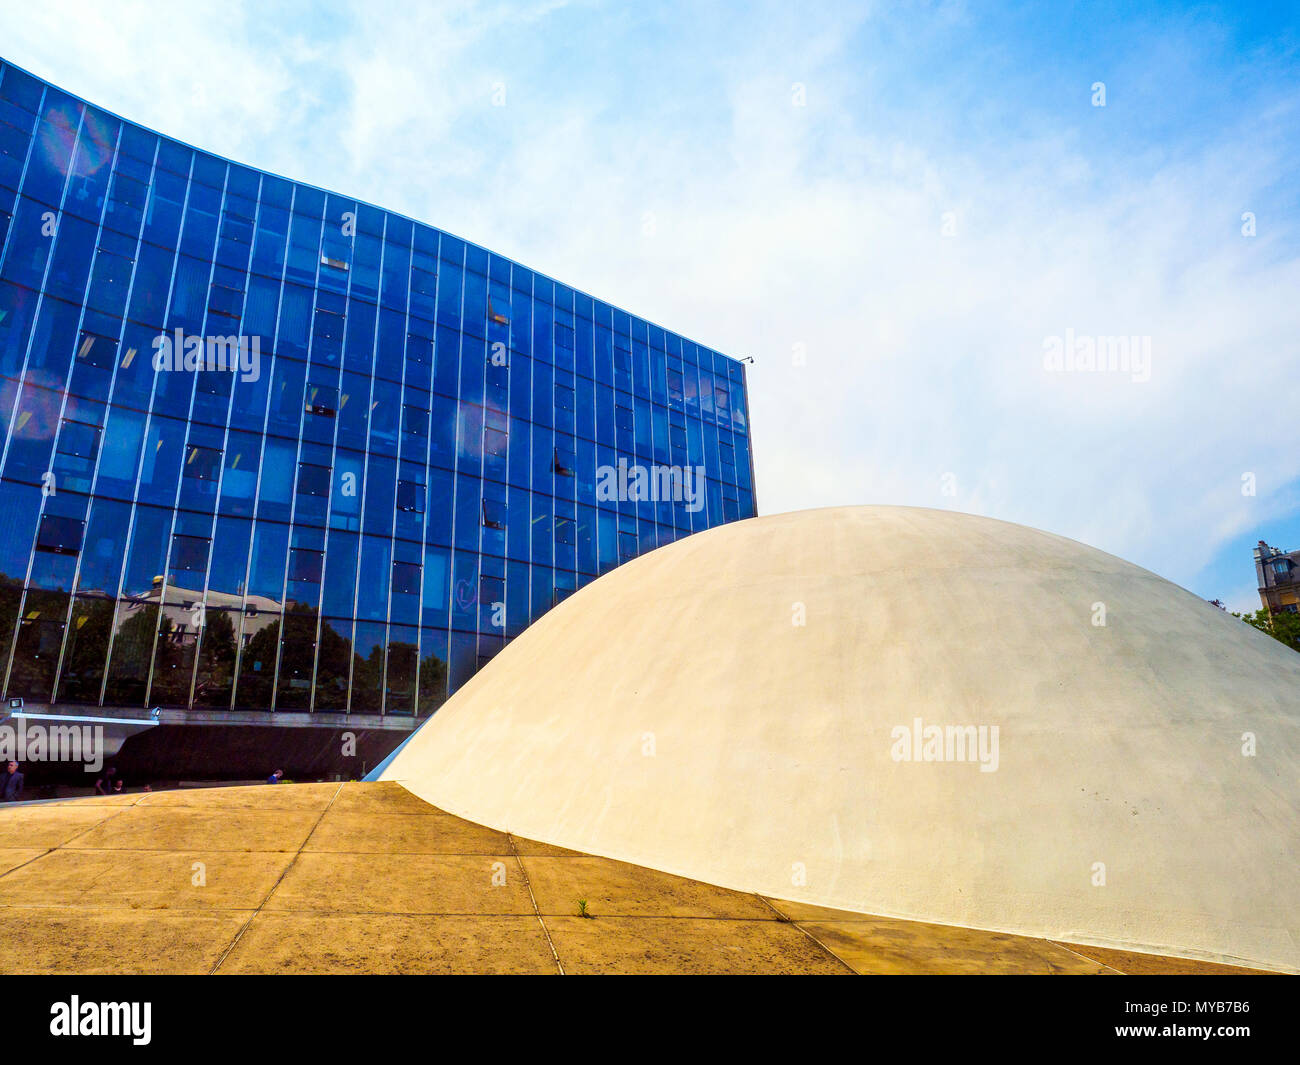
892, 207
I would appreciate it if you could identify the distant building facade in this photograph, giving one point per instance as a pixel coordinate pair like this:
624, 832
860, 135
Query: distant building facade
1279, 579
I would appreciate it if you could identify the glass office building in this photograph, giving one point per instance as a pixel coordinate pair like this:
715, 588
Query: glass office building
380, 460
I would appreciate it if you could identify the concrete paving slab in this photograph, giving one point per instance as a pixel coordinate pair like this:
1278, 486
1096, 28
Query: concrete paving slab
125, 799
532, 846
12, 857
375, 833
186, 829
262, 797
286, 943
48, 826
883, 946
617, 889
382, 797
1133, 963
804, 911
697, 946
155, 880
402, 883
89, 941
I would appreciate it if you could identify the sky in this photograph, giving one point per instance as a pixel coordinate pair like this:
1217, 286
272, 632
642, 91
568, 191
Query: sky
904, 212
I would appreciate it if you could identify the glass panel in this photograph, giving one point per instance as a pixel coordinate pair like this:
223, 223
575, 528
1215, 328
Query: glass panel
87, 649
403, 656
215, 676
36, 653
334, 664
297, 657
11, 594
261, 639
173, 667
368, 672
128, 672
433, 670
148, 546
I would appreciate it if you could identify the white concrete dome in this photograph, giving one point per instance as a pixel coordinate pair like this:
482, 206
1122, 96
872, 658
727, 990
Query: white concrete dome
734, 708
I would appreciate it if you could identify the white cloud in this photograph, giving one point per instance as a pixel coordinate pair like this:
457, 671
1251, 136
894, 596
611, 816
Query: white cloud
776, 225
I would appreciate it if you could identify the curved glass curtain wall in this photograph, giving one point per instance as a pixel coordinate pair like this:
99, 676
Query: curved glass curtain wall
407, 483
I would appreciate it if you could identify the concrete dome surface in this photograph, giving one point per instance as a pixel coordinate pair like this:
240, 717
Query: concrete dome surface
903, 712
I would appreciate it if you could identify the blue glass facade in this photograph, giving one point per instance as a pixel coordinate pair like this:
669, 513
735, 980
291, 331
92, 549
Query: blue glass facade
403, 475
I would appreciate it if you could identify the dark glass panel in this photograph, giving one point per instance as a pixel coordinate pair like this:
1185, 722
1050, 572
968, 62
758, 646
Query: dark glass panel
84, 656
463, 660
36, 651
261, 640
189, 563
60, 535
368, 669
297, 658
173, 668
11, 595
133, 639
334, 664
214, 678
433, 670
400, 679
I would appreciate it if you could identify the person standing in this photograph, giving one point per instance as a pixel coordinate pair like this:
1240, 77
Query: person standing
11, 784
275, 777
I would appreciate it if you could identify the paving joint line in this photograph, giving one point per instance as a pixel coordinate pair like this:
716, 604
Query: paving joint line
279, 880
76, 835
1070, 950
536, 909
815, 940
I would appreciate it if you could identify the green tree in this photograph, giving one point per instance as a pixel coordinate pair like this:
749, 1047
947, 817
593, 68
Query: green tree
1282, 626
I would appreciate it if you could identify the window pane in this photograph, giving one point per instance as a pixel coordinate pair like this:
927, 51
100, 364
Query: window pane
87, 649
214, 678
132, 653
62, 536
